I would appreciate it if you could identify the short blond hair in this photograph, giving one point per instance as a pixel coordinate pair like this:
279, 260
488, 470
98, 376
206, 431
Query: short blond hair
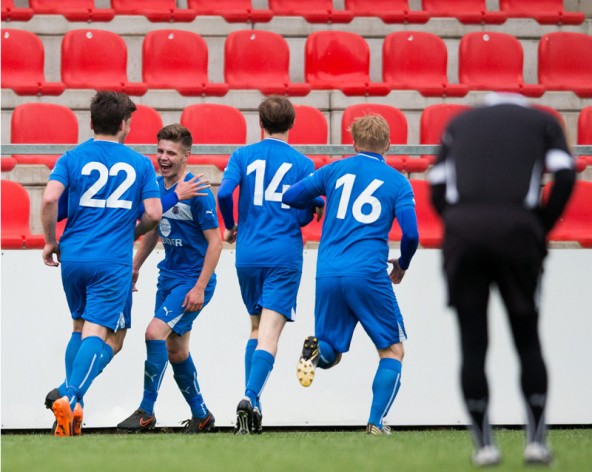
371, 133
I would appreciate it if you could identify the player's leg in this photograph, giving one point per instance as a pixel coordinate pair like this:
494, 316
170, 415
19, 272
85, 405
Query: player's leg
251, 345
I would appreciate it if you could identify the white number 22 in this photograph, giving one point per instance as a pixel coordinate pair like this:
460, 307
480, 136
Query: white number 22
271, 193
365, 198
114, 200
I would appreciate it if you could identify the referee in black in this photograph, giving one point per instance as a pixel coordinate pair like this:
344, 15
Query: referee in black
486, 186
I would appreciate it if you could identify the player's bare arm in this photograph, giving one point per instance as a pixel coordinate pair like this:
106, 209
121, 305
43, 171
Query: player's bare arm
49, 216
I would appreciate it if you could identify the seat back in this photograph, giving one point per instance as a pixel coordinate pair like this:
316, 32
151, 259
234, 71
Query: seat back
10, 12
15, 214
394, 117
575, 223
585, 131
310, 127
433, 122
565, 60
23, 57
429, 223
146, 123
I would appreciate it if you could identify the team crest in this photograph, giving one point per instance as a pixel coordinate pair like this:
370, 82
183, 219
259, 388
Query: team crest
175, 210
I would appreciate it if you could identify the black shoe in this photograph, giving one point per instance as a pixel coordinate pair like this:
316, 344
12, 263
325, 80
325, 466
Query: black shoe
244, 418
308, 361
199, 425
51, 397
138, 421
257, 421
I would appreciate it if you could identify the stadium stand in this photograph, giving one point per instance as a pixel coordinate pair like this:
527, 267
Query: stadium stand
397, 124
233, 11
16, 232
340, 60
429, 223
211, 123
493, 61
414, 60
154, 10
146, 122
389, 11
465, 11
8, 163
23, 59
313, 11
544, 11
245, 67
310, 127
565, 62
311, 233
576, 222
177, 59
97, 59
42, 123
12, 13
72, 10
585, 132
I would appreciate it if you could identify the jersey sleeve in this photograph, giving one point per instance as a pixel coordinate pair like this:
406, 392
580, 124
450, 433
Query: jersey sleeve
149, 185
233, 169
405, 198
60, 171
204, 211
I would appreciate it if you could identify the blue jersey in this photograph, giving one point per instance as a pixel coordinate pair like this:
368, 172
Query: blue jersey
269, 232
364, 195
106, 183
181, 230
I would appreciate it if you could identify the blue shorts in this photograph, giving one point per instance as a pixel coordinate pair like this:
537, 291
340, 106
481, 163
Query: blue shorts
170, 296
340, 302
274, 288
99, 292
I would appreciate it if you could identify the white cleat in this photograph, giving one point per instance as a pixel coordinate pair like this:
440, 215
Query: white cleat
537, 453
487, 456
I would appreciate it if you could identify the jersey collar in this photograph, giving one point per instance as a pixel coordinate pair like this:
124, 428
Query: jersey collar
372, 155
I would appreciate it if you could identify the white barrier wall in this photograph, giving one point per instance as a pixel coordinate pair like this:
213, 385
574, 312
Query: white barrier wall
36, 327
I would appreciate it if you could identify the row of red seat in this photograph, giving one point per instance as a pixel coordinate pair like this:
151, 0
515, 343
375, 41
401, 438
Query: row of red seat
314, 11
174, 59
223, 124
575, 224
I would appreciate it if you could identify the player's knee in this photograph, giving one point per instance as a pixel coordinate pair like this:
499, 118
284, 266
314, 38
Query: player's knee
177, 356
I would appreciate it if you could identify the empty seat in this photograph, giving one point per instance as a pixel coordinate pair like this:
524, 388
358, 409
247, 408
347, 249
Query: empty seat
8, 163
259, 60
97, 59
585, 133
575, 223
493, 61
146, 123
565, 62
154, 10
175, 59
313, 11
214, 124
465, 11
73, 10
543, 11
432, 123
42, 123
12, 13
312, 232
233, 11
310, 127
397, 124
23, 58
414, 60
389, 11
340, 60
16, 231
429, 224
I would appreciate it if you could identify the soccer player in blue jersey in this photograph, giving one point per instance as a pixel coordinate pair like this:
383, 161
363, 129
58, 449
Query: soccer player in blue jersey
364, 195
268, 243
107, 183
192, 243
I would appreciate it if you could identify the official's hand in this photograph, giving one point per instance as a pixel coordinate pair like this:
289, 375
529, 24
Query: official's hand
193, 187
397, 273
230, 234
48, 251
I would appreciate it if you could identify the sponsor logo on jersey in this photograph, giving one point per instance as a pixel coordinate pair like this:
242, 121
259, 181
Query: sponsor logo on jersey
165, 227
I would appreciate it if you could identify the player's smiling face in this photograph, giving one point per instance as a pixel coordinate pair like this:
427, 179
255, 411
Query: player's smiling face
172, 160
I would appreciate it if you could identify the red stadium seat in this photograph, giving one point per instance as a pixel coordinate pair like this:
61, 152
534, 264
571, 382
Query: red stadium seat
576, 222
389, 11
414, 60
23, 58
310, 127
397, 124
175, 59
312, 231
432, 123
8, 163
154, 10
260, 60
340, 60
313, 11
585, 133
465, 11
146, 123
565, 62
429, 224
12, 13
214, 124
544, 11
493, 61
97, 59
16, 232
233, 11
73, 10
42, 123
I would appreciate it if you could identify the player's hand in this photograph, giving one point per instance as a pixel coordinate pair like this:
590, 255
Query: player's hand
397, 273
230, 234
319, 211
48, 251
135, 275
194, 299
193, 187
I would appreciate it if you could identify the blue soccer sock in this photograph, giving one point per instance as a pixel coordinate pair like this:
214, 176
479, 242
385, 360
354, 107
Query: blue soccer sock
157, 358
84, 368
249, 350
384, 389
71, 351
261, 367
327, 355
186, 377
